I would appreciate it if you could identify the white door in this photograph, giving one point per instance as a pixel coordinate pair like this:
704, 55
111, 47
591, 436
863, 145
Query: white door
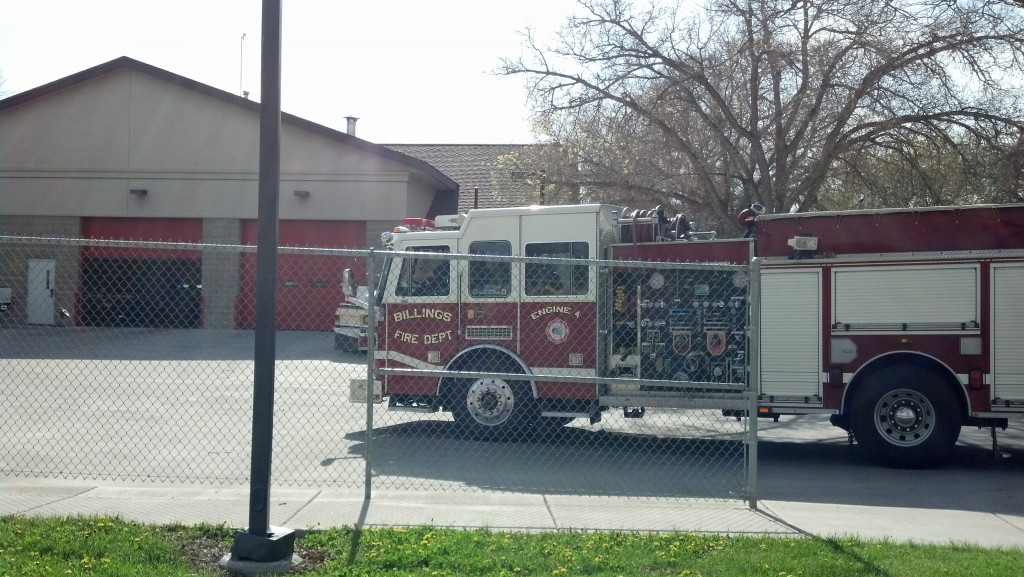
1007, 332
791, 333
40, 291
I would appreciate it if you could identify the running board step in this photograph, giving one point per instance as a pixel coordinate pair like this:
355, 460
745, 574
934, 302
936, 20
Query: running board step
400, 409
565, 414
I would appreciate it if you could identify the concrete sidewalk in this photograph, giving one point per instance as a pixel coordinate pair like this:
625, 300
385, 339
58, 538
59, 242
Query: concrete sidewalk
311, 509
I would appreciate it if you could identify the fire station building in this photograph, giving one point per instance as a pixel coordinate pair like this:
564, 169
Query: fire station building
128, 151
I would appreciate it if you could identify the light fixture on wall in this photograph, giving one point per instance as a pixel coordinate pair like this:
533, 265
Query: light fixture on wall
302, 193
138, 191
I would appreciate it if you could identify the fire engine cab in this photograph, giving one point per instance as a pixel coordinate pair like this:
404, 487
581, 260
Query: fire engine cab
902, 324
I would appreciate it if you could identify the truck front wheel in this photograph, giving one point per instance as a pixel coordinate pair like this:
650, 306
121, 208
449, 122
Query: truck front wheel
494, 409
906, 416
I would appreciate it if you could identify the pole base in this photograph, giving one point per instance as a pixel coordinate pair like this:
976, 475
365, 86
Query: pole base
238, 567
277, 545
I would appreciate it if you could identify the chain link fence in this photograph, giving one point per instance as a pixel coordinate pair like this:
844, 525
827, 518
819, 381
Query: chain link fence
548, 373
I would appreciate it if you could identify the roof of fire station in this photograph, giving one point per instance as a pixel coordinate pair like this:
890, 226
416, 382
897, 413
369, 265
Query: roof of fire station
446, 189
486, 173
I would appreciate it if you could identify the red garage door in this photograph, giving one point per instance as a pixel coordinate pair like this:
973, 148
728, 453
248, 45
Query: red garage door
308, 286
129, 286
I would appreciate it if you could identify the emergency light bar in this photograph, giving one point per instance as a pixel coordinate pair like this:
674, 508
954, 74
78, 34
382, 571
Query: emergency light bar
414, 225
418, 223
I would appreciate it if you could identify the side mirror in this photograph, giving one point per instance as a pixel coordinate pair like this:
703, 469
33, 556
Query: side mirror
348, 285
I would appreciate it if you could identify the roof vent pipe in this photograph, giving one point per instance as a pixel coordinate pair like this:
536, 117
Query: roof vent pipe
350, 129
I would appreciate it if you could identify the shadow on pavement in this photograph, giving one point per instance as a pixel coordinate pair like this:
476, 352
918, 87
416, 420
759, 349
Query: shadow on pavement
431, 454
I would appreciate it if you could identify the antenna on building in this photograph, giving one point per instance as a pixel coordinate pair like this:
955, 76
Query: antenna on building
241, 66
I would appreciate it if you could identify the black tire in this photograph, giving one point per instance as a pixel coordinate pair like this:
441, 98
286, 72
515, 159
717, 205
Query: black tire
907, 417
492, 409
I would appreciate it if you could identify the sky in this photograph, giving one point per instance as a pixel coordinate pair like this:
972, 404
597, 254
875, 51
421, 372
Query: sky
412, 71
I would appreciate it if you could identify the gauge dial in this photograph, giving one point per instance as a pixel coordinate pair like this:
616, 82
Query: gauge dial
739, 280
657, 280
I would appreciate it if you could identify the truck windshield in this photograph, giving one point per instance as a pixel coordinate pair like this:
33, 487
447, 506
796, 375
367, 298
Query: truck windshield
424, 275
378, 296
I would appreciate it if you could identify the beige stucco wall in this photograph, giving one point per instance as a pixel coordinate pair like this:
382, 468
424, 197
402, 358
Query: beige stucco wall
79, 151
14, 265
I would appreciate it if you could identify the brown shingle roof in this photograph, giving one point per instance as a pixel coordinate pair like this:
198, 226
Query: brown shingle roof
491, 168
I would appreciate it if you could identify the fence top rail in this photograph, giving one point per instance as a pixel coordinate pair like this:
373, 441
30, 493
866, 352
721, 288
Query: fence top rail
213, 247
690, 386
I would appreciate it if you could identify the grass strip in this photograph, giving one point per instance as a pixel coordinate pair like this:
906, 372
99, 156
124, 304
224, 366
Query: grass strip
102, 546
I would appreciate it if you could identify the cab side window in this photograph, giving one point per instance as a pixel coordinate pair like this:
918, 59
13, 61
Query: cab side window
554, 279
423, 275
490, 279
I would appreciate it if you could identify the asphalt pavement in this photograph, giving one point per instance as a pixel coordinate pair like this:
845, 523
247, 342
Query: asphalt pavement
810, 482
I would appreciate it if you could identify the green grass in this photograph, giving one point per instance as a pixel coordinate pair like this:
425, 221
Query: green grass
32, 547
86, 546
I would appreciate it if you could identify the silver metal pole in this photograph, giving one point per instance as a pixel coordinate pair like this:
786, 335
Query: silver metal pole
753, 376
241, 66
371, 346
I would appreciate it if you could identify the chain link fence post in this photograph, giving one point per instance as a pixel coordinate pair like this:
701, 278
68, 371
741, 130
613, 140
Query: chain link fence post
371, 345
753, 376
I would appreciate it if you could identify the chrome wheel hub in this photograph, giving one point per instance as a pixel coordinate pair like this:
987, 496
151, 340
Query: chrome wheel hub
904, 417
490, 401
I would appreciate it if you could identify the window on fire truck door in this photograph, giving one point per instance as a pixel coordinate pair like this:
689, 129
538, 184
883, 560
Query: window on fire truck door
543, 279
423, 275
490, 279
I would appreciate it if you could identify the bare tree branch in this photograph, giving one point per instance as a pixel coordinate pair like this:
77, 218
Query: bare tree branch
775, 101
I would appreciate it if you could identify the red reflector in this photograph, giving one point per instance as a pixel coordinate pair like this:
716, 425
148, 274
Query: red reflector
764, 410
974, 379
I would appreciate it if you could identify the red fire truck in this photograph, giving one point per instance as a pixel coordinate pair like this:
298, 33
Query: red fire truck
904, 325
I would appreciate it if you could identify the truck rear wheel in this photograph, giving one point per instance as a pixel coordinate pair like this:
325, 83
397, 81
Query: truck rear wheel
906, 416
494, 409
